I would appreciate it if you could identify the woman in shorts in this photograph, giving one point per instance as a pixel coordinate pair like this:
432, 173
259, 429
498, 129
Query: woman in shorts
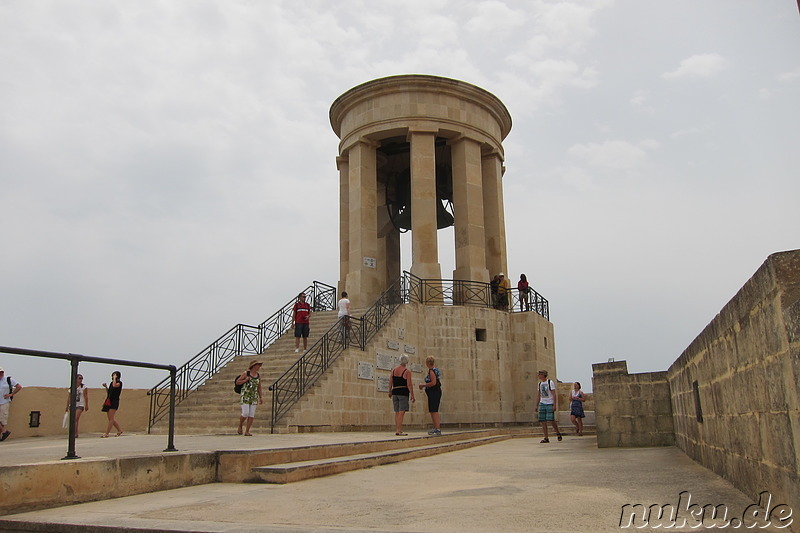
401, 390
433, 390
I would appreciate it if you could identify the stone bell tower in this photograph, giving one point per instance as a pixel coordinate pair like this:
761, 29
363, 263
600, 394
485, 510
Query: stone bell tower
418, 153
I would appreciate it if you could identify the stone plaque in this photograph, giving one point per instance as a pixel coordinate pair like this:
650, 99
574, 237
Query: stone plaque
410, 349
415, 367
366, 370
386, 361
370, 262
392, 344
401, 333
383, 383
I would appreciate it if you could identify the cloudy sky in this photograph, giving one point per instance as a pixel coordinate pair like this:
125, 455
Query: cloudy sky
167, 167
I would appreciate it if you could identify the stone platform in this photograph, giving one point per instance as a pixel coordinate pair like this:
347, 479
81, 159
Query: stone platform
514, 484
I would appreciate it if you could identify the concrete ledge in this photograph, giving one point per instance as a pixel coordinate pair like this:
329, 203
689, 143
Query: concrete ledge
298, 471
52, 484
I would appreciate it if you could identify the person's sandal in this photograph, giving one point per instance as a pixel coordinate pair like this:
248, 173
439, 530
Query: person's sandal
544, 441
559, 437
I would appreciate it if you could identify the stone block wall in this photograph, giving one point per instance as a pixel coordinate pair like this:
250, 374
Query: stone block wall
631, 409
488, 361
735, 394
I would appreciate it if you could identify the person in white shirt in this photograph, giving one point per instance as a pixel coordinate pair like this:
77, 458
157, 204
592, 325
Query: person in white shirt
547, 404
344, 315
8, 389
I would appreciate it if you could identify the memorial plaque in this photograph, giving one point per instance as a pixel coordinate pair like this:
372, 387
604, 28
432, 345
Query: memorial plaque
401, 333
415, 367
370, 262
392, 344
383, 383
366, 370
410, 349
386, 361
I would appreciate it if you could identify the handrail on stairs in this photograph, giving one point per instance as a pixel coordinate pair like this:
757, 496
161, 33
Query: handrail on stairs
241, 339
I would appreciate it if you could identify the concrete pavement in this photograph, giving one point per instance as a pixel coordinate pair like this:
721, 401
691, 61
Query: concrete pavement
517, 485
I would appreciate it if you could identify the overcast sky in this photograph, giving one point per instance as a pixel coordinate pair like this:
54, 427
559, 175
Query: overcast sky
167, 169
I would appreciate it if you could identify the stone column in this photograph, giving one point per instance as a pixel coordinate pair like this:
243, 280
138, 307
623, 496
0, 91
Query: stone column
363, 284
470, 239
343, 165
424, 244
494, 217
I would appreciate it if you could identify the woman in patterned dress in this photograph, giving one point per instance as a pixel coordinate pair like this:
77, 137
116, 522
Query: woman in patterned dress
250, 380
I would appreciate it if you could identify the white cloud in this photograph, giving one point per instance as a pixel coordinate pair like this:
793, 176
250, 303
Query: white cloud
790, 75
612, 155
639, 97
698, 66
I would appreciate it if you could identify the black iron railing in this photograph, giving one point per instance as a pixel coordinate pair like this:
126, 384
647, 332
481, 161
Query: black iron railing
345, 333
75, 360
473, 293
239, 340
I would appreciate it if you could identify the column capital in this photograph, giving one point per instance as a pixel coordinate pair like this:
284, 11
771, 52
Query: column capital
418, 130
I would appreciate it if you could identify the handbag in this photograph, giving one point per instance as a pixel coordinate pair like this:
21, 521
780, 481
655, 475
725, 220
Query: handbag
65, 420
107, 403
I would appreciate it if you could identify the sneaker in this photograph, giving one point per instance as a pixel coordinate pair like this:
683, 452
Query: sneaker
296, 350
437, 432
432, 432
4, 436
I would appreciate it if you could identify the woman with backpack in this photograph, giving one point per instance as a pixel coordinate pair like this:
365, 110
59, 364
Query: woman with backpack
250, 383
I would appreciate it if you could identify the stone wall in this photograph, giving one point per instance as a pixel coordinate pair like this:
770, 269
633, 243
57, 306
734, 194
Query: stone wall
50, 403
631, 409
735, 395
488, 360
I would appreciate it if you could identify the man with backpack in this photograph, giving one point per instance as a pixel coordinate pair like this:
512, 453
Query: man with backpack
547, 404
8, 389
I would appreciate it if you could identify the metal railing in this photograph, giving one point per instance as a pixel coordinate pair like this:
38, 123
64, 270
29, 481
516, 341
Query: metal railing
346, 332
353, 331
473, 293
239, 340
74, 359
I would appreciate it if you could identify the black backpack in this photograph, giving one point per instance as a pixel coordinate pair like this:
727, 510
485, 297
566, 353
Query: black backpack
236, 387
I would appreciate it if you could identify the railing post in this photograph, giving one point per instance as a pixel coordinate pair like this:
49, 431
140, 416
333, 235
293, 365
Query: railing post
73, 397
171, 439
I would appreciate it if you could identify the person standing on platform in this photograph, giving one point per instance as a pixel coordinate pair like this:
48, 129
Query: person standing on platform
301, 318
251, 396
8, 389
433, 390
503, 290
401, 389
576, 413
81, 402
547, 405
524, 289
494, 287
111, 405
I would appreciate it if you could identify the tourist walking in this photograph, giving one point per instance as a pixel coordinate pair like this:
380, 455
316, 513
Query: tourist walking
524, 289
250, 380
111, 404
301, 318
576, 413
433, 390
401, 390
8, 389
547, 405
81, 401
343, 314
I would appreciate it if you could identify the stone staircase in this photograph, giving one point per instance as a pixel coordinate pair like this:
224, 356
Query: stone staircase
213, 408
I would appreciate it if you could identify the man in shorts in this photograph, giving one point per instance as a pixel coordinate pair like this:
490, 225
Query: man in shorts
8, 389
301, 318
547, 404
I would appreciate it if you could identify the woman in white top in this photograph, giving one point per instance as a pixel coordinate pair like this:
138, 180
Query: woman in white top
344, 315
81, 403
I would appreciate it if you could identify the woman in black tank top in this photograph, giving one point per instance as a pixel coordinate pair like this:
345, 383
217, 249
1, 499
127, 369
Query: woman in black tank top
401, 391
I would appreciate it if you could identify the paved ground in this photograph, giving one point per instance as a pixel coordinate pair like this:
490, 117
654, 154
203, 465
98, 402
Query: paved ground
517, 485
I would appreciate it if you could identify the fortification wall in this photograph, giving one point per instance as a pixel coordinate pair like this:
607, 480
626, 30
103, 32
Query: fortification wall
631, 409
735, 395
488, 361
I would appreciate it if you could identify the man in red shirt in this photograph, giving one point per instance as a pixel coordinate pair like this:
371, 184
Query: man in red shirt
301, 318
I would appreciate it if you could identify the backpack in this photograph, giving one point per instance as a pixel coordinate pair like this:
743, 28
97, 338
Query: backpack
237, 388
